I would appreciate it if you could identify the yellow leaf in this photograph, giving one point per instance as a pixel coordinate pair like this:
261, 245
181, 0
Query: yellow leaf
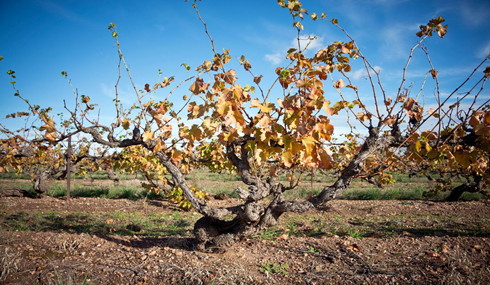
158, 147
428, 148
265, 121
260, 156
363, 117
287, 158
238, 117
267, 108
125, 124
223, 108
328, 110
230, 136
309, 143
418, 145
176, 156
50, 136
147, 135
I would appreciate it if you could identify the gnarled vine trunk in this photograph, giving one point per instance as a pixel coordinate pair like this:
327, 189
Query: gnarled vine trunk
471, 187
252, 217
41, 183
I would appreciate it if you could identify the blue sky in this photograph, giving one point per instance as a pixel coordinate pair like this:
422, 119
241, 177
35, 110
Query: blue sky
41, 38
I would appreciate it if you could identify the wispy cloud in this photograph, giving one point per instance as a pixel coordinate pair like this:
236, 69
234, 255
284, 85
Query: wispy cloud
313, 43
310, 42
396, 41
362, 73
124, 96
455, 71
484, 51
60, 10
274, 58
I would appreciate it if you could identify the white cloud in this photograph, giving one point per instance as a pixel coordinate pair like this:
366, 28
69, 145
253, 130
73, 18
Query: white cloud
396, 43
274, 58
484, 51
362, 73
313, 43
456, 71
124, 96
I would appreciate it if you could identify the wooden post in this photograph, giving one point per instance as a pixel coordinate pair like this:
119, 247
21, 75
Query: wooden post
68, 169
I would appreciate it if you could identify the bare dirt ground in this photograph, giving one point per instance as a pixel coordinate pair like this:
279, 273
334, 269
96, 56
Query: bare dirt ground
353, 242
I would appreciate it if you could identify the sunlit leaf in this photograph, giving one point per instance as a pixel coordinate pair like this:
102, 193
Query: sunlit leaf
125, 124
85, 99
287, 158
339, 84
230, 76
434, 73
418, 145
147, 135
198, 86
309, 143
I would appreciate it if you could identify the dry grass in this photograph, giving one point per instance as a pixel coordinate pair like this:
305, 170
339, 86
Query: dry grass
463, 271
222, 273
8, 262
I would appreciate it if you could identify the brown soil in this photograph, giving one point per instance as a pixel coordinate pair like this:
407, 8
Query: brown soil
415, 253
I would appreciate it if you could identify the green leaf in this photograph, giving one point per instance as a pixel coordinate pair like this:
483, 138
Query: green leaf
85, 99
284, 73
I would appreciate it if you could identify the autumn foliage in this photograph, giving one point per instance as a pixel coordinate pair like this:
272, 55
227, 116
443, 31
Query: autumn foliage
259, 133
